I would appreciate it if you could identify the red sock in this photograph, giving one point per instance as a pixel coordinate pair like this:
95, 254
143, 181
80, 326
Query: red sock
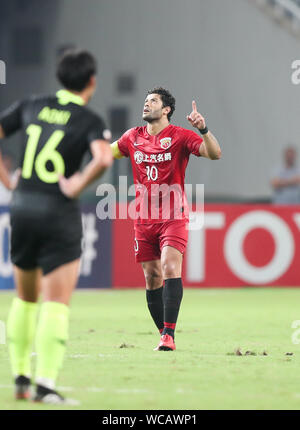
169, 328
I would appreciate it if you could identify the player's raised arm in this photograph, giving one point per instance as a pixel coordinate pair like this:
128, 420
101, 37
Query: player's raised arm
211, 148
102, 159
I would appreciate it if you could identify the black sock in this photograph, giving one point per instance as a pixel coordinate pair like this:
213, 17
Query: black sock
172, 296
156, 307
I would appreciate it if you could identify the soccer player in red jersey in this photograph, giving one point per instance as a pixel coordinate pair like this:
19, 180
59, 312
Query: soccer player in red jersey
159, 154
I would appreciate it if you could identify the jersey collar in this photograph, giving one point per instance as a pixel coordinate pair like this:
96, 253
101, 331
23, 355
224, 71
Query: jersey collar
157, 135
65, 97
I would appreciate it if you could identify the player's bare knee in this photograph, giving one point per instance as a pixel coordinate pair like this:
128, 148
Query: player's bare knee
153, 279
170, 269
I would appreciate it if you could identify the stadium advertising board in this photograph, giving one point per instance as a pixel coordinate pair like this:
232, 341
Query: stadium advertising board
239, 245
95, 269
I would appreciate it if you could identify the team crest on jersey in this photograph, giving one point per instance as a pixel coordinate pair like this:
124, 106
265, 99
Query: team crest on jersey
138, 157
165, 143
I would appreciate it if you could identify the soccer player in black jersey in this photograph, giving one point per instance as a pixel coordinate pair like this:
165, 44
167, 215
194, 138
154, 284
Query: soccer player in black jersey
46, 227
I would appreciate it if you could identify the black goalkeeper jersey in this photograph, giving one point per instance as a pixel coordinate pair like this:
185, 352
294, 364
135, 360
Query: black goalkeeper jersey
57, 132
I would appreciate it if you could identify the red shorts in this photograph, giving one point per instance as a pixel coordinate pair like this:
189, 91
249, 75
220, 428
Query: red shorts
151, 238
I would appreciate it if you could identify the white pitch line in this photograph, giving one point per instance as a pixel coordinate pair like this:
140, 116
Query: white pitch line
93, 389
11, 387
105, 355
130, 391
182, 391
79, 356
96, 389
65, 388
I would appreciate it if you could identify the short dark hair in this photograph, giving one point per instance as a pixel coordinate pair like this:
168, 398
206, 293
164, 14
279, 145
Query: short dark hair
166, 97
75, 68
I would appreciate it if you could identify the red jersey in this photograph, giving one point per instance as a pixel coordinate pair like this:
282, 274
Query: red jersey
158, 165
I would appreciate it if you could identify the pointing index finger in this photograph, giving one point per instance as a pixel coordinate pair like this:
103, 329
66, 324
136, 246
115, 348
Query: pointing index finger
194, 106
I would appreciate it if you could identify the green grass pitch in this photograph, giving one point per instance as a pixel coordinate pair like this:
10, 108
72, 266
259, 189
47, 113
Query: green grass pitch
203, 373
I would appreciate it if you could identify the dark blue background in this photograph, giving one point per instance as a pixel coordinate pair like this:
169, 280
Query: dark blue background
100, 275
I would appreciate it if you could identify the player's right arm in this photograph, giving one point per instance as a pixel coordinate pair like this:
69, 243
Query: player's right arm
10, 122
101, 159
98, 141
5, 177
2, 135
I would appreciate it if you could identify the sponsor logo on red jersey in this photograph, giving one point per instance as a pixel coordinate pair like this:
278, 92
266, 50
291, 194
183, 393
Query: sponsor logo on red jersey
139, 157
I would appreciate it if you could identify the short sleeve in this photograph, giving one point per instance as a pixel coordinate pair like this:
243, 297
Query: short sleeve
98, 131
193, 142
11, 119
123, 142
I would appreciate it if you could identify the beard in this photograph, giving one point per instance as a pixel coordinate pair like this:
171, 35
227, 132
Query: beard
152, 116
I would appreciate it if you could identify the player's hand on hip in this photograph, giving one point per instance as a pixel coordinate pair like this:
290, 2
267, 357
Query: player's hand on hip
70, 187
195, 118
